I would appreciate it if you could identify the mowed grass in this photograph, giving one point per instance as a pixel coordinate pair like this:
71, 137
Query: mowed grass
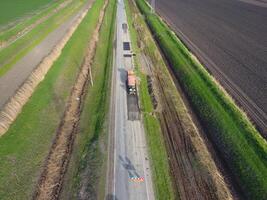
240, 146
157, 151
87, 167
25, 146
11, 10
11, 54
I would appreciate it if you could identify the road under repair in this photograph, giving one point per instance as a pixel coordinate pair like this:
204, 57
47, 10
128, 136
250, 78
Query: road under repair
129, 175
230, 39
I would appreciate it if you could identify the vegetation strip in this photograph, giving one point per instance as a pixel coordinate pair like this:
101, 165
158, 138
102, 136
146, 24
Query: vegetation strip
241, 147
25, 146
13, 107
52, 177
85, 179
19, 48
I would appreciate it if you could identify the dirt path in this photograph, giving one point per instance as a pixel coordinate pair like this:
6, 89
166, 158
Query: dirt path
52, 176
20, 82
194, 172
4, 44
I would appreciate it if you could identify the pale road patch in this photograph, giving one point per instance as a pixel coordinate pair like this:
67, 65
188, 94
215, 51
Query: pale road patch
15, 104
51, 179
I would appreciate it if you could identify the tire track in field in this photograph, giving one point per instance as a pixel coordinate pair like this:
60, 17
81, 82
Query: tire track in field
51, 179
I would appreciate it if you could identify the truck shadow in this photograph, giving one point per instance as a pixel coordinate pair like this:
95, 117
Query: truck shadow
123, 75
127, 164
111, 197
123, 78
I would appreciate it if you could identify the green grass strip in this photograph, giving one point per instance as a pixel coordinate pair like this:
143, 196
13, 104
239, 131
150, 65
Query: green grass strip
13, 53
157, 151
241, 147
25, 146
87, 166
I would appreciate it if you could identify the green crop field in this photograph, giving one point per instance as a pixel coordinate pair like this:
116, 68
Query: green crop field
25, 146
11, 10
6, 32
240, 146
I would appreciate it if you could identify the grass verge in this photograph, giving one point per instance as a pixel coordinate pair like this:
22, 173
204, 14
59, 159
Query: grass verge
241, 147
157, 151
87, 168
11, 54
26, 144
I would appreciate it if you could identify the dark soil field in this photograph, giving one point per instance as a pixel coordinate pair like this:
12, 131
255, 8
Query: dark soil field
230, 38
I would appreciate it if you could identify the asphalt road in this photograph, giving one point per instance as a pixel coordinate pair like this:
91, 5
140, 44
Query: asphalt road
230, 38
129, 164
17, 75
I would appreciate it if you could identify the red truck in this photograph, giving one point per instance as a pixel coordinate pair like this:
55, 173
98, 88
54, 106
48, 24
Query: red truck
131, 82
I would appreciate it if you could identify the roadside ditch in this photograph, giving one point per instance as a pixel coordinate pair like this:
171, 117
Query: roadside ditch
51, 179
